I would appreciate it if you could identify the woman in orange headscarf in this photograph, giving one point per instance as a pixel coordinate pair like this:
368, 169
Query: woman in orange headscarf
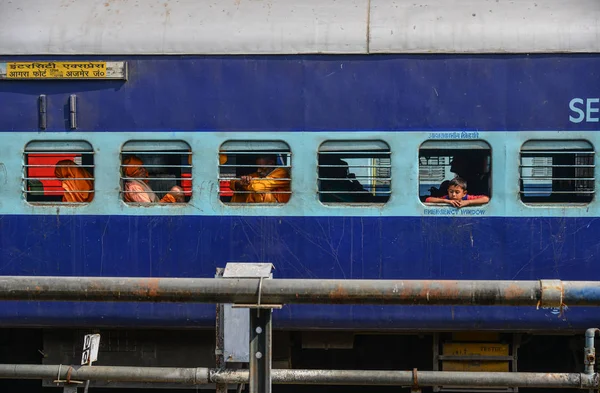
76, 181
137, 190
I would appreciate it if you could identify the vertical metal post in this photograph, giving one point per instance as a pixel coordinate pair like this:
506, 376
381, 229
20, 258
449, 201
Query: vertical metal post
589, 351
219, 339
260, 350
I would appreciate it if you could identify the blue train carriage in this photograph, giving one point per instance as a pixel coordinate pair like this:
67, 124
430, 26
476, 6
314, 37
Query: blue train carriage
134, 135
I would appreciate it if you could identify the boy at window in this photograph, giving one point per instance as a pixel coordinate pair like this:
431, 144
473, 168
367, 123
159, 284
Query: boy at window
458, 196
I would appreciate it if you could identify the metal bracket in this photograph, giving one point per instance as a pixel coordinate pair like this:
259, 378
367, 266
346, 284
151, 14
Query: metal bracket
552, 293
73, 111
69, 385
415, 388
260, 332
42, 110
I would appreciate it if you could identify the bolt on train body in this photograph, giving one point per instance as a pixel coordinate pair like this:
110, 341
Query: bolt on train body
369, 106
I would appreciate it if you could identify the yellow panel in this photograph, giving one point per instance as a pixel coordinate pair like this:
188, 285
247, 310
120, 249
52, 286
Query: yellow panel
475, 349
472, 349
55, 70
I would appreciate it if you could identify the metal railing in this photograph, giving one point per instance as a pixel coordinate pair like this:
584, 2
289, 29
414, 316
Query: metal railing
261, 294
541, 293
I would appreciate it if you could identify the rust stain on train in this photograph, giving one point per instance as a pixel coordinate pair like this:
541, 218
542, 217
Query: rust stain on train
338, 294
514, 291
149, 288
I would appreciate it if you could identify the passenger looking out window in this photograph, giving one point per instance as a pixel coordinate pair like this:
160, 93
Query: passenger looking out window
472, 169
136, 188
469, 161
269, 184
76, 181
457, 195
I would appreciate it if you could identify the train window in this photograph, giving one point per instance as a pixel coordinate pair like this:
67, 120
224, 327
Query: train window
58, 172
354, 172
156, 172
442, 161
557, 172
255, 172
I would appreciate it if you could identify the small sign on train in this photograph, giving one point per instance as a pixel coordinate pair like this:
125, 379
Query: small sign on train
34, 70
91, 343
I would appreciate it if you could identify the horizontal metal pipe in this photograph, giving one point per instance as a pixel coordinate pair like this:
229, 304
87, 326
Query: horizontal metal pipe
288, 291
186, 376
199, 376
423, 378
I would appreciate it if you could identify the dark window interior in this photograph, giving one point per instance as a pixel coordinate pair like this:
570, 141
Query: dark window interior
354, 172
557, 172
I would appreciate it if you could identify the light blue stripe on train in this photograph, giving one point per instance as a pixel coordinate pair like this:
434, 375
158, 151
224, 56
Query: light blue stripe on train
404, 199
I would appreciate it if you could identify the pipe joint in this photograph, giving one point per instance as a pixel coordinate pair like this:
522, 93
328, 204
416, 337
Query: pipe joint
589, 351
201, 376
589, 381
552, 293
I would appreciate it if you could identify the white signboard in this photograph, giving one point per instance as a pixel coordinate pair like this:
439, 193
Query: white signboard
91, 343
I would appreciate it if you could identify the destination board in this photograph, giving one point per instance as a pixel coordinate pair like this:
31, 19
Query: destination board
28, 70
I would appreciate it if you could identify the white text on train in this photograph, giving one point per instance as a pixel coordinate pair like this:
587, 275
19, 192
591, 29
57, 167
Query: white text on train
584, 110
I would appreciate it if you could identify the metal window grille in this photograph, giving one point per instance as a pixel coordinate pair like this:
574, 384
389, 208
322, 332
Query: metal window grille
164, 176
242, 181
43, 160
354, 172
436, 165
432, 169
557, 172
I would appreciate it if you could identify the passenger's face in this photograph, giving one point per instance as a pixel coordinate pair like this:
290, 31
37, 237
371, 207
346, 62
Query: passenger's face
142, 172
456, 193
262, 170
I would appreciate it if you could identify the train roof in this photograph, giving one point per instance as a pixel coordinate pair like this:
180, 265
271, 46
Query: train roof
217, 27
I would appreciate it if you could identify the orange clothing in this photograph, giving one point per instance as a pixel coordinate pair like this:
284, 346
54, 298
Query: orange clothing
134, 171
173, 198
240, 197
78, 189
168, 199
270, 189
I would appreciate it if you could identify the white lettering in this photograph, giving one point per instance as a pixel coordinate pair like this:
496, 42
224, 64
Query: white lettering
573, 108
590, 110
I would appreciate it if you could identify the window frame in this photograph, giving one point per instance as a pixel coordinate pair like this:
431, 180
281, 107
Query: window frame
552, 148
447, 145
61, 148
247, 147
158, 147
350, 147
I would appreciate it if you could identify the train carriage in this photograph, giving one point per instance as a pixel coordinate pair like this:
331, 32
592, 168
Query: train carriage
366, 106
